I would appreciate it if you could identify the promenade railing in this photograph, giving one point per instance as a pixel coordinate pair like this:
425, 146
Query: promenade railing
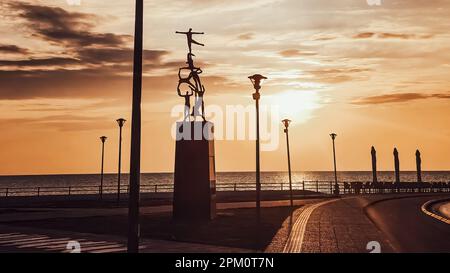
323, 187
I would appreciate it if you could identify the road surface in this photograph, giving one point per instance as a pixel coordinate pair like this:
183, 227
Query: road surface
407, 227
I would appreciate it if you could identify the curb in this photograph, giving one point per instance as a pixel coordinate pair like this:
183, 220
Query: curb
426, 208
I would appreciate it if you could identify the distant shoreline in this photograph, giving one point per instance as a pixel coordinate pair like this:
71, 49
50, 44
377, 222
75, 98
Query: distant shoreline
223, 172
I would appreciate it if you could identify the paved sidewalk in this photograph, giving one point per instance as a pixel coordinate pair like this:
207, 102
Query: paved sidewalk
338, 226
342, 227
19, 239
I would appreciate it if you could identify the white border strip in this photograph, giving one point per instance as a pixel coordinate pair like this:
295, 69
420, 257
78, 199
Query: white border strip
425, 210
295, 240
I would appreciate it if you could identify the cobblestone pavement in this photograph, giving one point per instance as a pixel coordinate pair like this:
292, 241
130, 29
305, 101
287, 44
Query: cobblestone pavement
339, 227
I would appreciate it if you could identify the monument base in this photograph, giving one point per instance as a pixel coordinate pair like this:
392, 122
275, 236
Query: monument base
194, 195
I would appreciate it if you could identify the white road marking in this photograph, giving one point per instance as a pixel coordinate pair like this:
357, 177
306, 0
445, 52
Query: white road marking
295, 240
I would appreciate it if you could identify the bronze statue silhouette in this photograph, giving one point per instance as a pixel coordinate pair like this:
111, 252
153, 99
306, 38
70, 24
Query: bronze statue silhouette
187, 103
199, 104
190, 63
190, 40
192, 80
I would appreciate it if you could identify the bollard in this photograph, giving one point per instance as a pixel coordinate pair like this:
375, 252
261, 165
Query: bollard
317, 186
281, 186
303, 185
156, 188
7, 191
70, 189
39, 191
234, 186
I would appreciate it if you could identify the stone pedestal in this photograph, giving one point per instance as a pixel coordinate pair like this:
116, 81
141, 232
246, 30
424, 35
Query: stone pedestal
195, 174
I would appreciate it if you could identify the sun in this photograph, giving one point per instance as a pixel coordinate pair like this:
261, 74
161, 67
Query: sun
294, 104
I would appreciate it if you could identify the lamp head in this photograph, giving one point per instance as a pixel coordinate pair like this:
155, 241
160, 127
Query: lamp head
103, 138
121, 121
257, 80
286, 122
333, 136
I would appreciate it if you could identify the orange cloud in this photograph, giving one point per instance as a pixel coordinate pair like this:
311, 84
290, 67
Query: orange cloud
397, 98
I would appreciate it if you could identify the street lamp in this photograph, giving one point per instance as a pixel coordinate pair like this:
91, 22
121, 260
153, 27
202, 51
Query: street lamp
257, 80
286, 123
135, 154
121, 122
336, 185
103, 139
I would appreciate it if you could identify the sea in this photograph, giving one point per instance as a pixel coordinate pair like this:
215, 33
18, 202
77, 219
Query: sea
268, 179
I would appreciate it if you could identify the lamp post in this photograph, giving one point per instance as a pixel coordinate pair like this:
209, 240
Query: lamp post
103, 139
257, 80
120, 122
286, 123
135, 154
336, 185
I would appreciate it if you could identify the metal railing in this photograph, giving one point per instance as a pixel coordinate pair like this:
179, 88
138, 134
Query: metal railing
317, 186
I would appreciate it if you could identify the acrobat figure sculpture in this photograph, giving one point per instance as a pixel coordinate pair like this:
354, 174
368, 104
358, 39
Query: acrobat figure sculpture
187, 104
192, 80
190, 40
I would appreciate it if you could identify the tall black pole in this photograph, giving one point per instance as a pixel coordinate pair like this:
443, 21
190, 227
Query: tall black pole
121, 122
135, 156
256, 81
374, 164
419, 166
258, 175
103, 139
397, 166
289, 167
336, 185
286, 123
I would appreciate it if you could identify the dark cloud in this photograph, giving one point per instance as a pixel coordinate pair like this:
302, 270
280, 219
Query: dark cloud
13, 49
56, 61
402, 97
118, 55
59, 26
102, 67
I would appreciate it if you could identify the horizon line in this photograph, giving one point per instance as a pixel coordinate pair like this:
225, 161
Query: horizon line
278, 171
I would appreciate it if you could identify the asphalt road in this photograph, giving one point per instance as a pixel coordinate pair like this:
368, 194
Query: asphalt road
408, 228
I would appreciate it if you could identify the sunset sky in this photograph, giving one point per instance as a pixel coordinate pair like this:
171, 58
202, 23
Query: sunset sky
375, 75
